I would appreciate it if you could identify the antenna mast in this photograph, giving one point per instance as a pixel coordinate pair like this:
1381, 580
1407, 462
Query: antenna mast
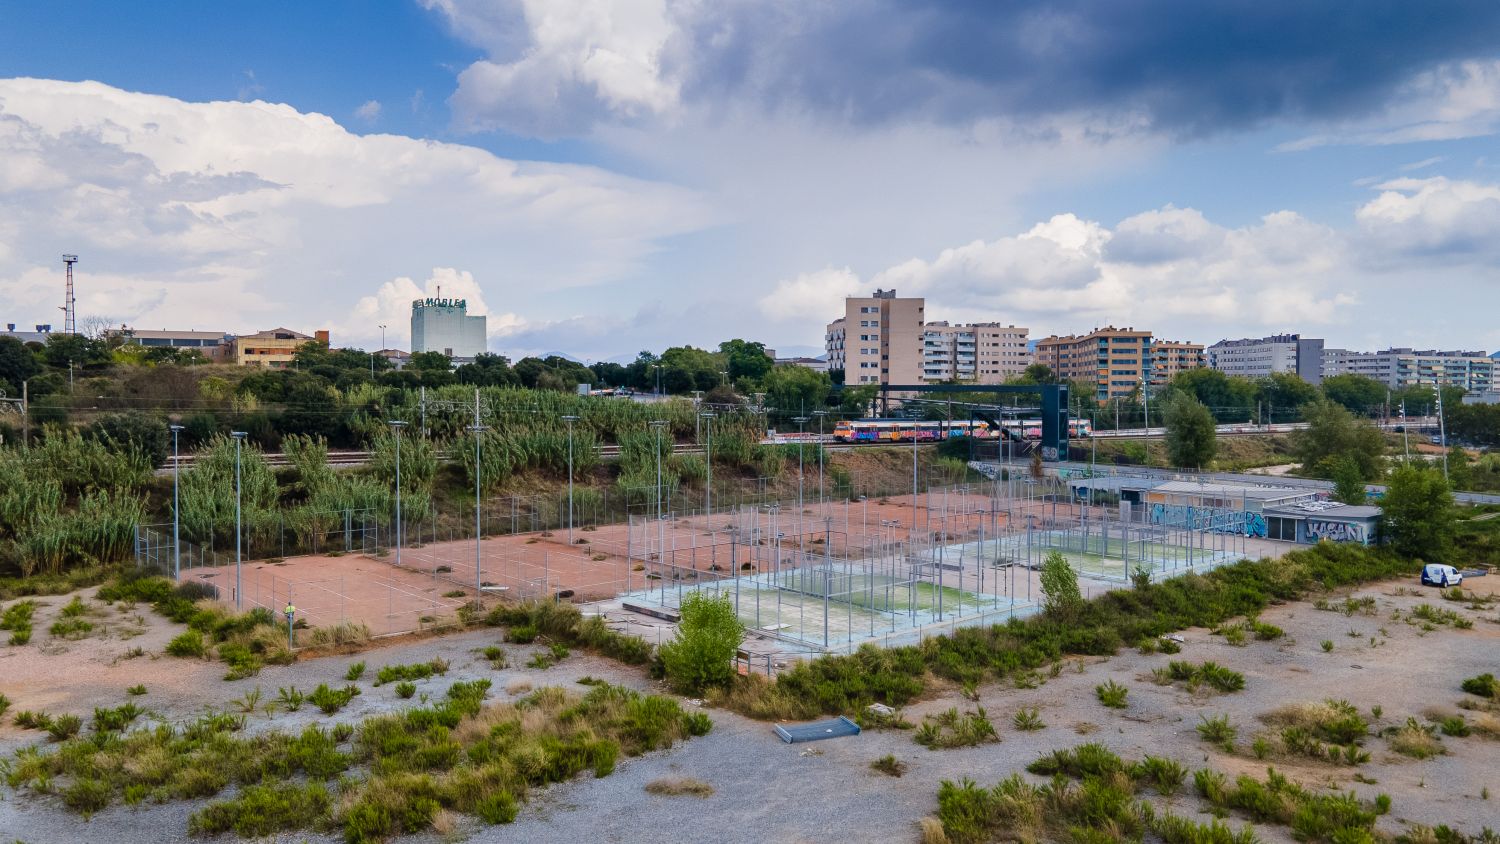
70, 312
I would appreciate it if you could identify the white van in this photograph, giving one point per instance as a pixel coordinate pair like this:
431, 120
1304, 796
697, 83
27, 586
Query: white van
1434, 574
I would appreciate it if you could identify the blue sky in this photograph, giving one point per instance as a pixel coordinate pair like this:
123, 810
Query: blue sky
603, 176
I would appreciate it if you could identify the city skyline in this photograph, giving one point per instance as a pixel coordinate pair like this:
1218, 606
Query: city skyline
602, 179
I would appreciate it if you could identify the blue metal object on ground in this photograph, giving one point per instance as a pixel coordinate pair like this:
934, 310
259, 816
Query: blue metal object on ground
818, 730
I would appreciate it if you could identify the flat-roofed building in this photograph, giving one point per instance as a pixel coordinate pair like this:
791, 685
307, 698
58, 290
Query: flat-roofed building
274, 348
1170, 357
1116, 360
214, 345
1257, 358
878, 340
980, 353
1472, 371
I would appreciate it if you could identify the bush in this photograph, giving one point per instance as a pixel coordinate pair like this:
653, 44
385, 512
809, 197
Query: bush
497, 808
951, 729
1218, 731
405, 689
188, 643
354, 672
262, 810
708, 635
889, 765
1485, 685
332, 700
64, 727
1112, 694
1061, 596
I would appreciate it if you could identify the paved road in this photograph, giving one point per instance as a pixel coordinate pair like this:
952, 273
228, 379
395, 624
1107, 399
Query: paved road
1260, 480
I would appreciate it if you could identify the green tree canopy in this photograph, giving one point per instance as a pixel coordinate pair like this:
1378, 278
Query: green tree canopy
1419, 515
1348, 483
1334, 432
1357, 393
1280, 394
745, 359
707, 636
1061, 597
1191, 438
1228, 398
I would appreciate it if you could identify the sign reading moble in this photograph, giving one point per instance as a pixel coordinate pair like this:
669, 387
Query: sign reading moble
439, 303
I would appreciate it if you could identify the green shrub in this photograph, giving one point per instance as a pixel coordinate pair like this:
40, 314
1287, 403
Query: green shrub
137, 690
1061, 596
332, 700
1165, 775
188, 643
1218, 731
1485, 685
1112, 694
64, 727
1027, 720
413, 671
951, 729
708, 634
117, 718
889, 765
354, 672
71, 628
29, 720
497, 808
290, 698
405, 689
262, 810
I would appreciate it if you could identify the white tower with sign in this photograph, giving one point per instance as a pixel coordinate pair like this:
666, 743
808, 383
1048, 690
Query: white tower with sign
444, 325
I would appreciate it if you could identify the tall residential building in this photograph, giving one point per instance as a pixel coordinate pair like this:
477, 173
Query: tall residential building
1400, 368
1169, 357
878, 340
1277, 353
1116, 360
444, 325
981, 353
272, 349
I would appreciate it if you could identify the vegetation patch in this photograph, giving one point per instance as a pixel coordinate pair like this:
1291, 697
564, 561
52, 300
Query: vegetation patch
889, 765
1312, 816
411, 671
1485, 686
564, 623
679, 786
1194, 677
954, 729
1332, 731
459, 754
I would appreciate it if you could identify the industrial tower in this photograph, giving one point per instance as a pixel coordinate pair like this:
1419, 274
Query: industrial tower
70, 315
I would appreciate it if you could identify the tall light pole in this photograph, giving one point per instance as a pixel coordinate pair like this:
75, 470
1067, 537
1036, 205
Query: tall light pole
396, 426
799, 420
176, 508
708, 462
658, 424
478, 430
1437, 389
239, 438
570, 420
820, 414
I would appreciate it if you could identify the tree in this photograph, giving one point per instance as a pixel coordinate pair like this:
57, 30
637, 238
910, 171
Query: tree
1334, 432
1460, 469
1191, 437
708, 634
1419, 515
1060, 595
793, 390
745, 359
17, 363
1231, 399
1285, 391
488, 370
1356, 393
430, 362
133, 431
1348, 483
1038, 373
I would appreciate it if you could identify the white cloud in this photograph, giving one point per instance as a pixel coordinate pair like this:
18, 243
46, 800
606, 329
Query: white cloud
1455, 100
369, 111
243, 215
1432, 219
811, 296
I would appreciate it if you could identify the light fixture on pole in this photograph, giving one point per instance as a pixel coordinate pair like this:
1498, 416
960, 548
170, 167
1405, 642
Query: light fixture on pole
570, 420
239, 438
708, 464
176, 509
396, 426
477, 429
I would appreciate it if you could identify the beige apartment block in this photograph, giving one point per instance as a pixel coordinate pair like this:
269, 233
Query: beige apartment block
1116, 360
1170, 357
981, 353
878, 340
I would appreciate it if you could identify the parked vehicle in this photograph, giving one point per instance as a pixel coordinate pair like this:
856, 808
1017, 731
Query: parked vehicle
1436, 574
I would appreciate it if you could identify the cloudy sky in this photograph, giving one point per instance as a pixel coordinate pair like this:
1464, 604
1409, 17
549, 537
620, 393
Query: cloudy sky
602, 177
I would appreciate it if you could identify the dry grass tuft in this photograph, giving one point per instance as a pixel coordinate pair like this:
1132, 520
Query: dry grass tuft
932, 831
677, 786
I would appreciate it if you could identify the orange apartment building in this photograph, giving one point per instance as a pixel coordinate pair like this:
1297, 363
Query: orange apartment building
273, 348
1116, 360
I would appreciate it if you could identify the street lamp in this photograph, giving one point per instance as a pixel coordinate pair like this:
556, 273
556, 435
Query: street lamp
396, 426
176, 509
477, 429
570, 420
708, 462
820, 414
799, 420
239, 438
658, 424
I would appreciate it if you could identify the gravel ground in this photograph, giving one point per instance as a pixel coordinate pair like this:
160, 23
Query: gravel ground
769, 791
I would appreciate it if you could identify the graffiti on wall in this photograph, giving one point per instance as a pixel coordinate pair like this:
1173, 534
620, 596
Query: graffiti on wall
1334, 531
1209, 519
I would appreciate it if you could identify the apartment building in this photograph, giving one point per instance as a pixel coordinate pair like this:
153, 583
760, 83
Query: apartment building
1257, 358
273, 348
1400, 368
1116, 360
878, 340
982, 353
1169, 357
214, 345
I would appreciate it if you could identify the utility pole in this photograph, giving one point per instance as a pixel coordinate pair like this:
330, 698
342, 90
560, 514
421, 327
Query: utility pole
570, 420
396, 426
1437, 388
239, 438
176, 509
478, 430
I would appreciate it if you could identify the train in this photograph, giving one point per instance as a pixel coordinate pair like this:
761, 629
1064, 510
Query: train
906, 430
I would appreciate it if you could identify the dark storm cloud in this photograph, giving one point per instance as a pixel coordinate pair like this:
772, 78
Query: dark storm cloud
1188, 67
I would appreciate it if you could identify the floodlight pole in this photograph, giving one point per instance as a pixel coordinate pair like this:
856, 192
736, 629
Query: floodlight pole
239, 437
478, 430
708, 463
176, 508
1437, 389
570, 420
799, 420
820, 414
396, 426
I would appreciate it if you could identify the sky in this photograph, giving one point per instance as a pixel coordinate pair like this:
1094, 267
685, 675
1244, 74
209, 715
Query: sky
605, 177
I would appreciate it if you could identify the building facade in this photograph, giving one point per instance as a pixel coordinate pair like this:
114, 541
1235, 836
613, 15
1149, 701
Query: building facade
878, 340
981, 353
1170, 357
444, 325
1116, 360
1471, 371
214, 345
272, 349
1257, 358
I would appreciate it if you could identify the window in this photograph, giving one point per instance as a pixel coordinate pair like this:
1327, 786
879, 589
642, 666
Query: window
1281, 528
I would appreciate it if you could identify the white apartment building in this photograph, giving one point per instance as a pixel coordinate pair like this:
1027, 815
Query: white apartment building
1400, 368
982, 353
1257, 358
